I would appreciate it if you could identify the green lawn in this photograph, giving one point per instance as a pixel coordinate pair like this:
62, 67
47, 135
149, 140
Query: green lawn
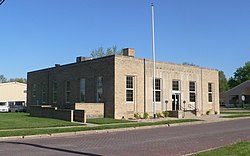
106, 121
24, 120
238, 149
236, 116
235, 113
32, 131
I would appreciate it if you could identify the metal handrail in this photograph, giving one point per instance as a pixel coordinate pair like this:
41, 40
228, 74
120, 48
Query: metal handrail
191, 106
182, 108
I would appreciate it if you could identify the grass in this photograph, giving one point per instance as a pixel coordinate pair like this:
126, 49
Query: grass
84, 128
24, 121
235, 113
236, 116
106, 121
238, 149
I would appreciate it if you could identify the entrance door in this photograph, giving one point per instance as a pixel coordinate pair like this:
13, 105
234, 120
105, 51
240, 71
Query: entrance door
175, 102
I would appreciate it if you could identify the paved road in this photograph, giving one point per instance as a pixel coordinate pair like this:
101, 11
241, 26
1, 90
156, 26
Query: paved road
177, 140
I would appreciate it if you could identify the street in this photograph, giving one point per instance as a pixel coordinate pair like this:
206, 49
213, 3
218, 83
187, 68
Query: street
173, 140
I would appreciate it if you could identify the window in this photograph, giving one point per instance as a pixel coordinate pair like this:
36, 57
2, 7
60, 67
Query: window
43, 93
67, 91
175, 85
192, 91
54, 91
157, 90
34, 90
82, 90
210, 95
129, 88
99, 89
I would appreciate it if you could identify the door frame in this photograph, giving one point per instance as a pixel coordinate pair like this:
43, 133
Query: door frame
177, 102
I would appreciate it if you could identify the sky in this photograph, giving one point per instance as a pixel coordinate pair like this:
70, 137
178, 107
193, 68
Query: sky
39, 34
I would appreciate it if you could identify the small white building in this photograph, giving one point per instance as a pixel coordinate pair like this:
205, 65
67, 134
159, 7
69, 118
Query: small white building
13, 93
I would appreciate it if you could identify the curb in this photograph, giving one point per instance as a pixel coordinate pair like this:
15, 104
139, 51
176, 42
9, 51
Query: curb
66, 134
95, 131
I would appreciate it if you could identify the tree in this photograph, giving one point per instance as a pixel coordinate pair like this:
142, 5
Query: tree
189, 64
21, 80
241, 75
96, 53
2, 79
223, 84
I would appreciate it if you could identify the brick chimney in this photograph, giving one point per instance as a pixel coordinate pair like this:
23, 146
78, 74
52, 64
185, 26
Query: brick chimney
128, 52
80, 59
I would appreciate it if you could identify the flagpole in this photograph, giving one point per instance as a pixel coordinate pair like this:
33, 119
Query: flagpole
153, 51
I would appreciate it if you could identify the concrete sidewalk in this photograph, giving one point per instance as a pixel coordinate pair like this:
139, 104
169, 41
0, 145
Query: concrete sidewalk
204, 119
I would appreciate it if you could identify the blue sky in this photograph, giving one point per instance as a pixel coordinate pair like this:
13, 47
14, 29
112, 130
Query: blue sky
38, 34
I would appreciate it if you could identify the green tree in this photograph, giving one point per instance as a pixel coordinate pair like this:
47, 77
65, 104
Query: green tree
96, 53
2, 79
189, 64
223, 84
241, 75
21, 80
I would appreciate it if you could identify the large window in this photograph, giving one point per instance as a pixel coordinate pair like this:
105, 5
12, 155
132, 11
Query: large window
99, 89
54, 91
82, 90
192, 91
175, 85
129, 88
210, 92
157, 90
43, 93
67, 91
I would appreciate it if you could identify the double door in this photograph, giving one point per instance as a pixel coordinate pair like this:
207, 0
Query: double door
176, 105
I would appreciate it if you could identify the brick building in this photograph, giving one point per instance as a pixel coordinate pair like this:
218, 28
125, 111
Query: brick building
125, 85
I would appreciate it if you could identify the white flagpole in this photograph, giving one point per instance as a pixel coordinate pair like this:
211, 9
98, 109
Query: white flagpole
153, 51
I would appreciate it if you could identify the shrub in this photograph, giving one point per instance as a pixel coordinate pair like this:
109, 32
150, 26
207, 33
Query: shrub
158, 115
165, 113
137, 115
215, 112
145, 115
208, 112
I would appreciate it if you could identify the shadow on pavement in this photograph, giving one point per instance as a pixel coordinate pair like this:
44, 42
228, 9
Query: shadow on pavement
51, 148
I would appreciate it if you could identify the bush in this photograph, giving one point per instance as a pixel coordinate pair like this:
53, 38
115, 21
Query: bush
158, 115
165, 113
145, 115
208, 112
137, 116
215, 112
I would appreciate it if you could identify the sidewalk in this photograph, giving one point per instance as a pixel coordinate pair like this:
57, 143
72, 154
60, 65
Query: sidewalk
204, 119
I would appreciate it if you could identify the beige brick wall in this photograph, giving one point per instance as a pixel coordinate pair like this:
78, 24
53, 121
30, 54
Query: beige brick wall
168, 72
128, 66
92, 110
210, 76
114, 70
